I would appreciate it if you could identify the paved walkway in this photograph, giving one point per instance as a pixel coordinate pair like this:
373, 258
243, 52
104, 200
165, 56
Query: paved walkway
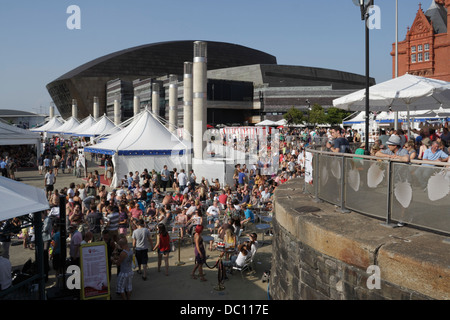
177, 285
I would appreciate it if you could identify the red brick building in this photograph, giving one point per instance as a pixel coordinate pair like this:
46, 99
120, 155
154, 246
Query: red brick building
426, 49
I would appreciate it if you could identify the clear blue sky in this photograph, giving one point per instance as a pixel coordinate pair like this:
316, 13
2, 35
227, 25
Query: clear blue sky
37, 47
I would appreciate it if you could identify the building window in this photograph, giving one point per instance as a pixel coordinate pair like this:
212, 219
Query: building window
413, 49
413, 58
427, 56
427, 47
419, 48
420, 57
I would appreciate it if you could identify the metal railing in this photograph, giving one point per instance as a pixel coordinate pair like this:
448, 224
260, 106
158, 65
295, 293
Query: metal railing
416, 193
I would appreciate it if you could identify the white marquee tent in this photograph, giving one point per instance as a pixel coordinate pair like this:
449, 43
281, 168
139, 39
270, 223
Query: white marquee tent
85, 125
11, 135
103, 126
266, 123
144, 144
52, 125
70, 125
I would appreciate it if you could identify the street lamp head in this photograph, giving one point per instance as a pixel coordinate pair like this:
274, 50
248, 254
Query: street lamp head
360, 3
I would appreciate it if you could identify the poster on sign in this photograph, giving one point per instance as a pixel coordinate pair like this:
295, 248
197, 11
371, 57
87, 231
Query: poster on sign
81, 156
308, 168
94, 271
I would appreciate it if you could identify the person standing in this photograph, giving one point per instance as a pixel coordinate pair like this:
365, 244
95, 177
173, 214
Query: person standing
47, 163
40, 163
75, 243
182, 180
163, 247
95, 220
340, 144
125, 276
47, 230
165, 176
394, 151
200, 254
112, 224
142, 241
49, 181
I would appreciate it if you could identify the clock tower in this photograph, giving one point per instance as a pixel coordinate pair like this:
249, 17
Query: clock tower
426, 49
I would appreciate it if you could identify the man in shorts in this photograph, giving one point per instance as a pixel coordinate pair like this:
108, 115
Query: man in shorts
142, 241
49, 181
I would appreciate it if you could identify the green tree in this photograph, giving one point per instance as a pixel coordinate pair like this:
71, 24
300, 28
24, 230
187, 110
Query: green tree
317, 115
294, 116
336, 115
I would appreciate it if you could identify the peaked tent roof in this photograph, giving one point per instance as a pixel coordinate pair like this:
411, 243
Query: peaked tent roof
86, 124
407, 92
19, 199
68, 126
145, 135
266, 123
103, 126
53, 124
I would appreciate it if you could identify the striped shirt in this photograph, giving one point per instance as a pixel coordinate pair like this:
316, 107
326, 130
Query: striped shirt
113, 219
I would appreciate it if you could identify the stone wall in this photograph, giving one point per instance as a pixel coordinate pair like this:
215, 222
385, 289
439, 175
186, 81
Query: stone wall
320, 253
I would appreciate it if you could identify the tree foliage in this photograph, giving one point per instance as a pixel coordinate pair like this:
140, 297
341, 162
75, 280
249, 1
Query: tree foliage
336, 116
317, 115
294, 116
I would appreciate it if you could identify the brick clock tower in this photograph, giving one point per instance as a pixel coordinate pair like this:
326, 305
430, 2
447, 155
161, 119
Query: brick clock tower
426, 49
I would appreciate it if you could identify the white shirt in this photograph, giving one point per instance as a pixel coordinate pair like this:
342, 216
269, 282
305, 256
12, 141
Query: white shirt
241, 259
214, 211
182, 179
49, 178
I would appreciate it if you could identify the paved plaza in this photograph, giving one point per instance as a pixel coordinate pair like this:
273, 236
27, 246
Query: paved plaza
178, 285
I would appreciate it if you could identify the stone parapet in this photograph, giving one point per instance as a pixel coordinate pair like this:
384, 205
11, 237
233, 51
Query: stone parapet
321, 253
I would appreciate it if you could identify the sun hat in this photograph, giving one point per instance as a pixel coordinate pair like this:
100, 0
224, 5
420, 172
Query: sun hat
394, 140
426, 142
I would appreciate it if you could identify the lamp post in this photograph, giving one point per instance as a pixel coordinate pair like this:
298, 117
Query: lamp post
364, 5
261, 105
309, 110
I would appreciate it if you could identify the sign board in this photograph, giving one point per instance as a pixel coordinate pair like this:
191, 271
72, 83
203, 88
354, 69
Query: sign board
308, 167
81, 156
94, 271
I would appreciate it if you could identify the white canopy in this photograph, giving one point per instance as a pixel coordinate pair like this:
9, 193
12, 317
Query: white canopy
144, 144
85, 125
266, 123
405, 93
11, 135
281, 122
52, 125
103, 126
67, 127
145, 135
19, 199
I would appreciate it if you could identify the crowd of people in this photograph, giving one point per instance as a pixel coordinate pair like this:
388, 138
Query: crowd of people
140, 214
426, 144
